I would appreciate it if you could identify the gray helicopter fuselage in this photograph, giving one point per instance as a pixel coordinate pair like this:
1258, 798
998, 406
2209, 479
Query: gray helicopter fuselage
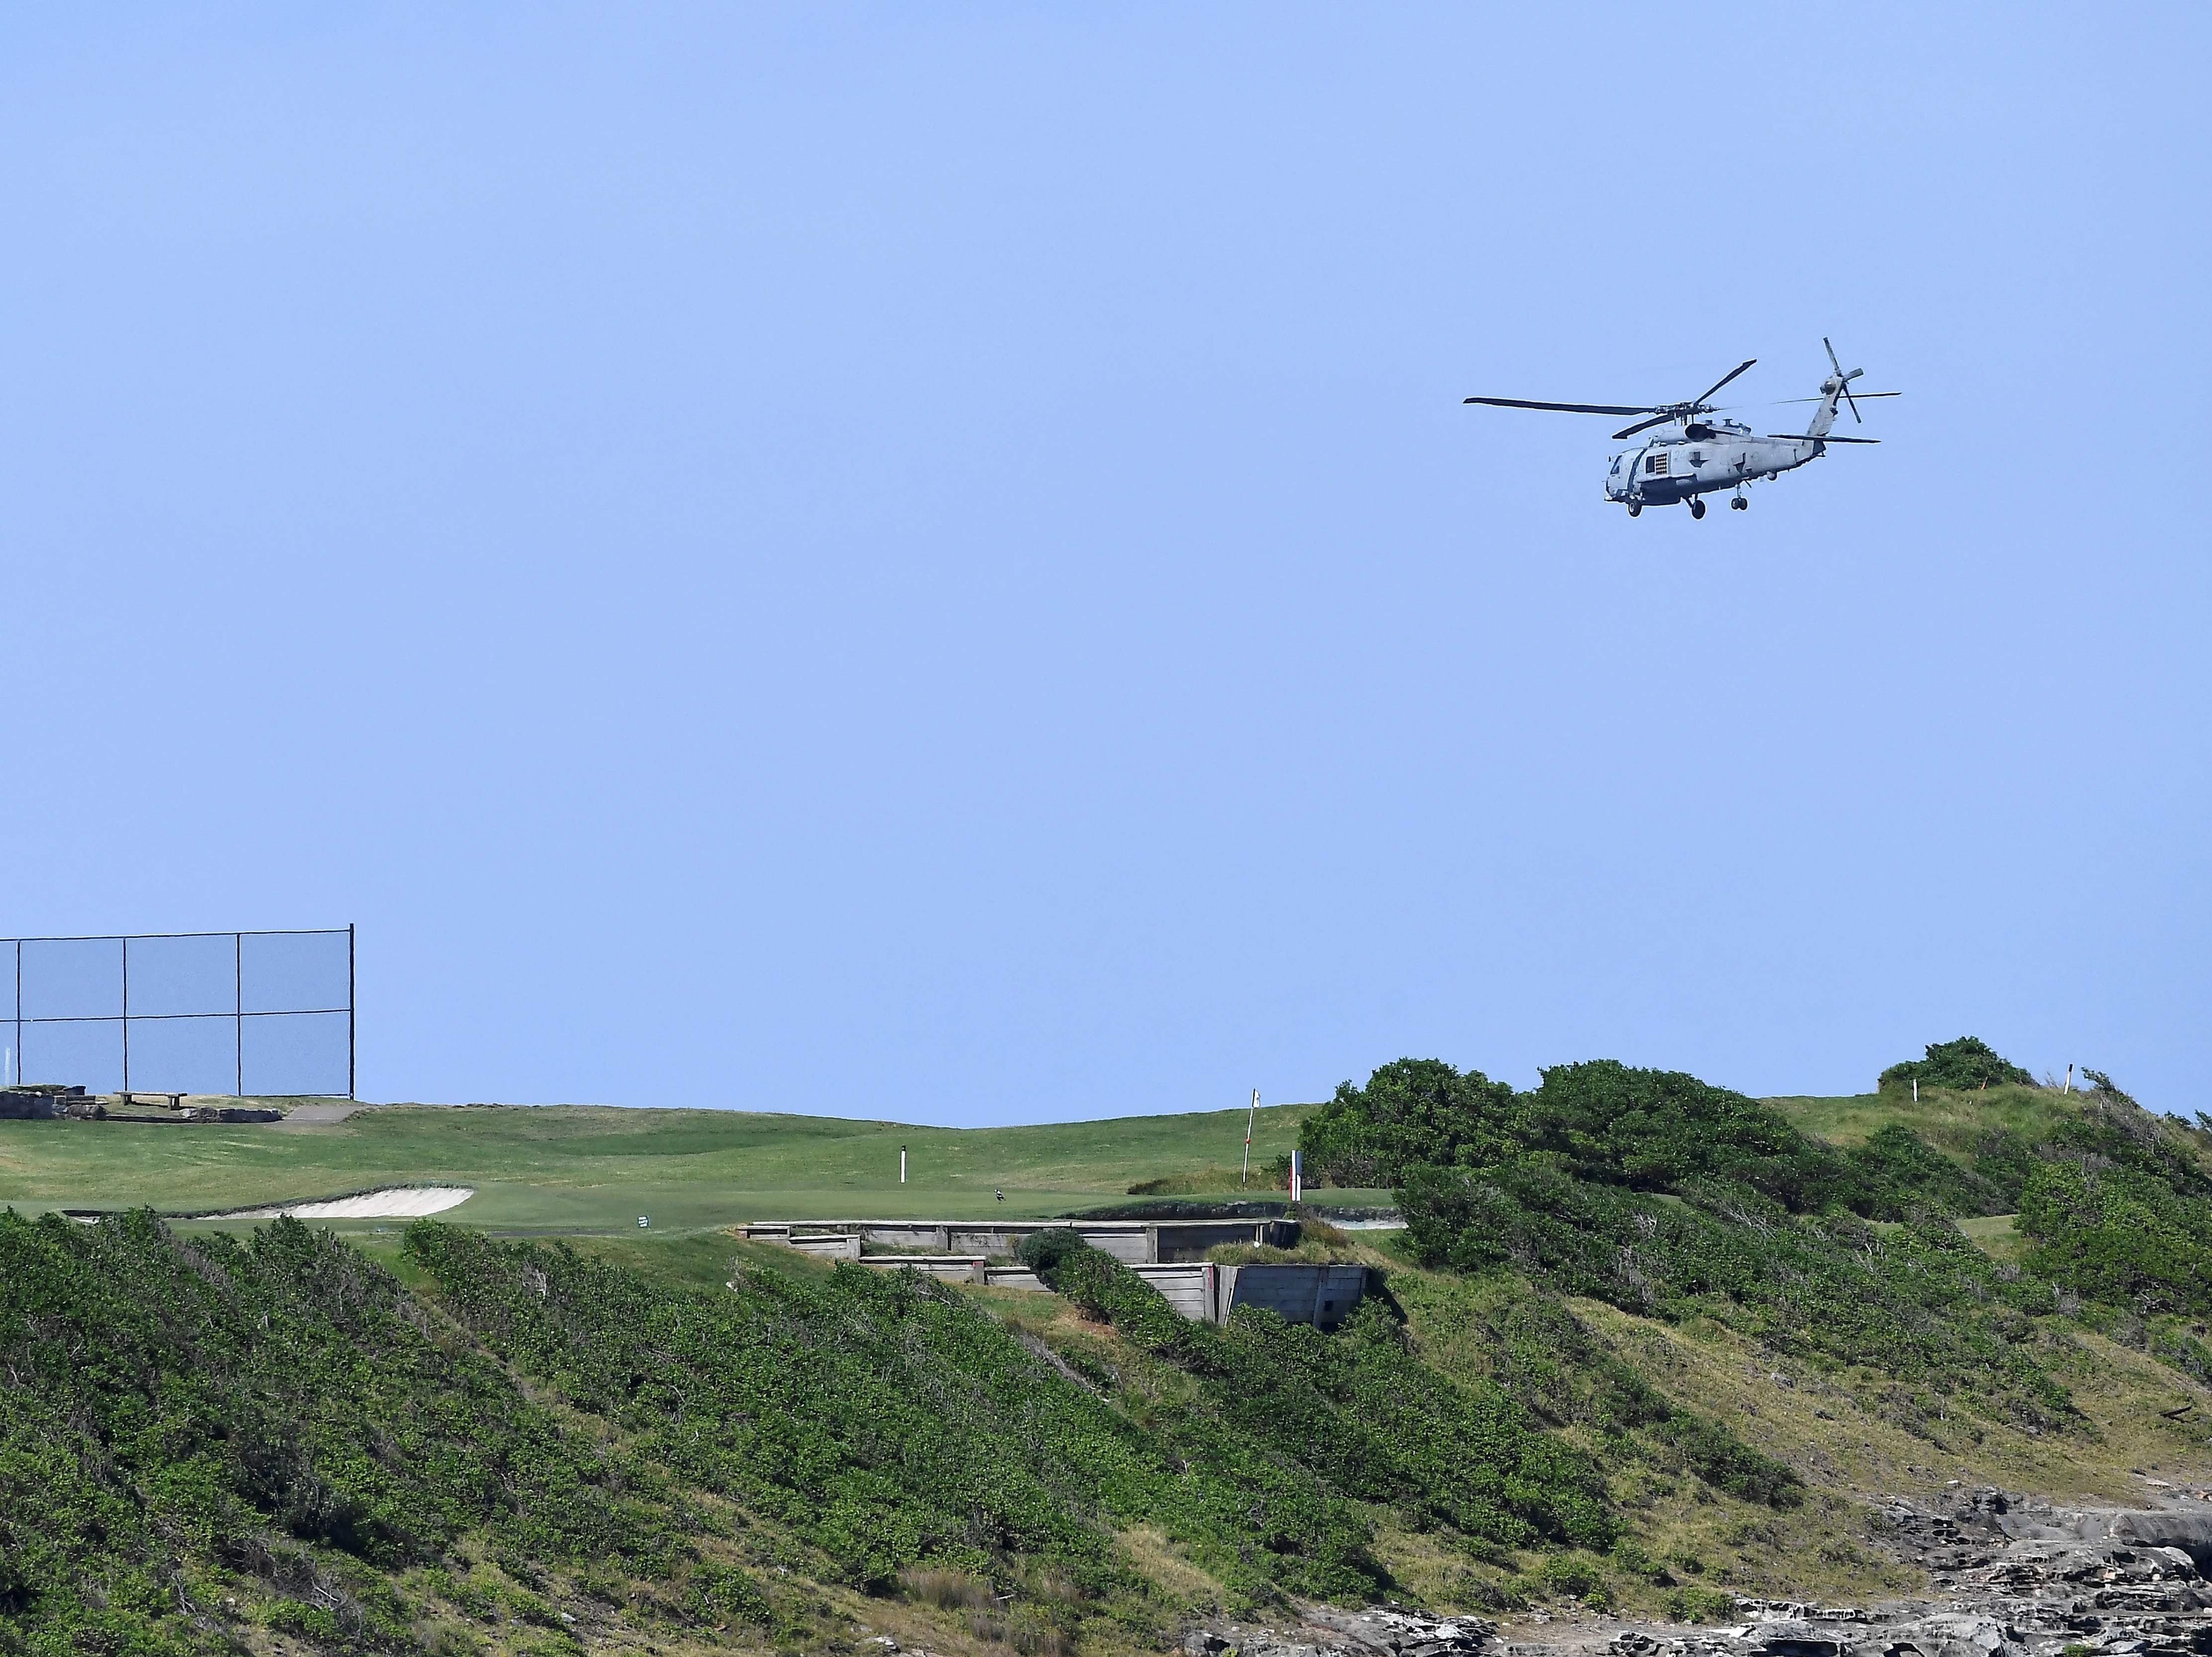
1697, 454
1670, 470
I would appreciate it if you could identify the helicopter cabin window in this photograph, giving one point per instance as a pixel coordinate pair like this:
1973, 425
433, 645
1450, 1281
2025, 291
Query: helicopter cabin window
1654, 464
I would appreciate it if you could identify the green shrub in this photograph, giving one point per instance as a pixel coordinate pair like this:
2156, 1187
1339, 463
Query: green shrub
1916, 1300
1542, 1355
1043, 1251
1410, 1111
273, 1410
449, 1641
1667, 1196
1571, 1576
2118, 1235
1967, 1062
1362, 1412
1696, 1605
892, 1424
1630, 1556
1607, 1123
292, 1616
1897, 1174
719, 1592
1727, 1463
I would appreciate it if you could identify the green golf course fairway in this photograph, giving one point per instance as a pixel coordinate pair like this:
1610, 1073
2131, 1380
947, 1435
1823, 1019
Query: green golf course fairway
585, 1169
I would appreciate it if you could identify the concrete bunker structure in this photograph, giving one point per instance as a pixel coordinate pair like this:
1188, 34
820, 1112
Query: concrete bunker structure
1168, 1254
1132, 1242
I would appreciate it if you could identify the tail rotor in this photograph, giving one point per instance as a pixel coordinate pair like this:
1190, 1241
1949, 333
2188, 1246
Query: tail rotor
1843, 381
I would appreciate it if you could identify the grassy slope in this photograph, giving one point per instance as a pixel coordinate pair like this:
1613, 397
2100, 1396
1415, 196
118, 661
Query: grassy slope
1842, 1434
2121, 1392
1845, 1432
581, 1170
1833, 1430
577, 1169
1952, 1122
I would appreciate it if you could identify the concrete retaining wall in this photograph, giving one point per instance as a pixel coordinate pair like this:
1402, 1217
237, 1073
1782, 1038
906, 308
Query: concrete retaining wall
1205, 1292
1132, 1242
1190, 1290
1319, 1294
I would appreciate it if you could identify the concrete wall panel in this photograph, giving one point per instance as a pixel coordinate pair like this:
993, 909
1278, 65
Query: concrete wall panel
1131, 1248
1187, 1288
1319, 1294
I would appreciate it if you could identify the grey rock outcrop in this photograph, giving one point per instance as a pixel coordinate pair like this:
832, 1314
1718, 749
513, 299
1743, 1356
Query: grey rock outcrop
1325, 1631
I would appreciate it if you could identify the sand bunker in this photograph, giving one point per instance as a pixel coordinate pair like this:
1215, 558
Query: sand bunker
403, 1203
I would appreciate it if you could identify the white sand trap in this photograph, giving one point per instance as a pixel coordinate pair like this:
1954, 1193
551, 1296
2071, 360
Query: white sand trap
402, 1202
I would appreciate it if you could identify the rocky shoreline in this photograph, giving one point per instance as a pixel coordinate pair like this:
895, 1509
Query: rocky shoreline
2020, 1576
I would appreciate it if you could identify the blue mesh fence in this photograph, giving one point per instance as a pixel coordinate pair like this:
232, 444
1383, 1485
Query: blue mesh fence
246, 1013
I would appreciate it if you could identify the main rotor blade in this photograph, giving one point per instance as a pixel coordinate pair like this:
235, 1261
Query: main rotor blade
1725, 378
1800, 438
1564, 408
1645, 425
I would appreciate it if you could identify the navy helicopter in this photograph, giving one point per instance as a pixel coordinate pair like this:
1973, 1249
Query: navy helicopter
1706, 456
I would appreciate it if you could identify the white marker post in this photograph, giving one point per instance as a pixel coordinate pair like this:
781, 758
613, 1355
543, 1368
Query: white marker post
2070, 1079
1245, 1172
901, 1164
1297, 1176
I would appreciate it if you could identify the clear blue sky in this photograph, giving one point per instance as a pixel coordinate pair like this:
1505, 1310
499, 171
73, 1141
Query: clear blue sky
929, 561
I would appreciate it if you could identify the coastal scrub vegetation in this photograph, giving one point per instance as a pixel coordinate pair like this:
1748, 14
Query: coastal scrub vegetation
1669, 1197
213, 1443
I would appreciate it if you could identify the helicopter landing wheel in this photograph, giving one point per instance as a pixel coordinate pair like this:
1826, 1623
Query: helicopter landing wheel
1636, 508
1697, 509
1740, 504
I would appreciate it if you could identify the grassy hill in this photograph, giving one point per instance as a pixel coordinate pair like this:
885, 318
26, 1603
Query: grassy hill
1955, 1122
579, 1169
1646, 1341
